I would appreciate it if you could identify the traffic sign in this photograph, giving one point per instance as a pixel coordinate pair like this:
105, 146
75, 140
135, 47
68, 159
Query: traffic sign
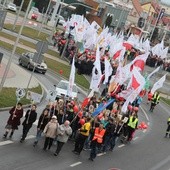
20, 93
2, 18
51, 96
42, 47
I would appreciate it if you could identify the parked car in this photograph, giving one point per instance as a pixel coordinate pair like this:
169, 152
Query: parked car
12, 7
61, 20
26, 60
62, 89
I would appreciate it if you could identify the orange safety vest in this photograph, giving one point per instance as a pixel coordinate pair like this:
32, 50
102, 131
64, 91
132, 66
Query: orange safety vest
98, 135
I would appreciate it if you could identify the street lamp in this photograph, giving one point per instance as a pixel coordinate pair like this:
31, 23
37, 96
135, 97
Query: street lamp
16, 18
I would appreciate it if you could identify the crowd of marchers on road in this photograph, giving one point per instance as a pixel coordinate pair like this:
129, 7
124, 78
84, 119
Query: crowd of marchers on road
66, 120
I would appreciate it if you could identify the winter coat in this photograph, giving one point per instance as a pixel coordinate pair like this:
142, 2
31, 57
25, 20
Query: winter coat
42, 122
63, 133
15, 121
30, 117
50, 129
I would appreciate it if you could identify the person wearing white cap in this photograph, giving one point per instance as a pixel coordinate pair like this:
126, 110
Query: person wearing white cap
50, 132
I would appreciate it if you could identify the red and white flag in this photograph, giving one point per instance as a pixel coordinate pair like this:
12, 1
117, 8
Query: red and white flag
139, 61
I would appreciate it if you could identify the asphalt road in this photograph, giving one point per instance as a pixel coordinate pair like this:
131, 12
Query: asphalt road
148, 151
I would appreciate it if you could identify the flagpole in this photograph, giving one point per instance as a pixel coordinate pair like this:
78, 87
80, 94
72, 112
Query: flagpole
157, 20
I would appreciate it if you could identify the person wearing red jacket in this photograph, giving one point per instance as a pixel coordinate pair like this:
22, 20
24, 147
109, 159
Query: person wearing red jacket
16, 113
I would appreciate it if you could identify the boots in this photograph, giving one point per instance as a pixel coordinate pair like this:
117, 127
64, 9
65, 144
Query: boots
5, 135
11, 134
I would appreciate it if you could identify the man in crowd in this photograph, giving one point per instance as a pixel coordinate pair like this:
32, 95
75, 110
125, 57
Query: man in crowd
82, 136
30, 118
154, 101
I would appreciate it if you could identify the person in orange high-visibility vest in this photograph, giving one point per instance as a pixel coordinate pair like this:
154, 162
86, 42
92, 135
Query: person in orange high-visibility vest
97, 141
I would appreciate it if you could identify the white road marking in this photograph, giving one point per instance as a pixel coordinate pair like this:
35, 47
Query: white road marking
160, 164
135, 138
75, 164
30, 137
100, 154
144, 131
6, 142
145, 113
120, 146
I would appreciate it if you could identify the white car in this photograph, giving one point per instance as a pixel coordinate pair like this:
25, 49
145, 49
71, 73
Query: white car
62, 89
12, 7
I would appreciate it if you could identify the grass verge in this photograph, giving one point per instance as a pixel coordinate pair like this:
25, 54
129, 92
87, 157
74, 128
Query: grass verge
28, 32
27, 43
8, 97
167, 101
53, 65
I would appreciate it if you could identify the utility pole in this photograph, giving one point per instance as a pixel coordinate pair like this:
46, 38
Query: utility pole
16, 18
14, 48
45, 16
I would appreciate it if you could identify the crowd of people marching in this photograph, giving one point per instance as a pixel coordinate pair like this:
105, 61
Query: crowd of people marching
85, 60
68, 119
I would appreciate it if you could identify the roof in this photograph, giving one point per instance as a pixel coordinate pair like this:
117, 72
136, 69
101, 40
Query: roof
137, 6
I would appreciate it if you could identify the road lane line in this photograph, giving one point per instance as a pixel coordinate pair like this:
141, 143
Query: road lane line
100, 154
75, 164
144, 131
120, 146
160, 164
30, 137
135, 138
145, 113
6, 142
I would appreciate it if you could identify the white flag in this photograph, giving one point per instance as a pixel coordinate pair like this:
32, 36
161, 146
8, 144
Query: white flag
122, 74
164, 53
71, 79
125, 106
146, 45
95, 80
108, 70
158, 84
153, 72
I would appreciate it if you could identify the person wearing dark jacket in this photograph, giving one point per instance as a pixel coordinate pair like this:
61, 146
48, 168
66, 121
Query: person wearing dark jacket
116, 134
30, 118
110, 127
13, 122
42, 122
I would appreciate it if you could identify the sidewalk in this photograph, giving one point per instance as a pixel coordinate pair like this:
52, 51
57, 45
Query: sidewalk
17, 76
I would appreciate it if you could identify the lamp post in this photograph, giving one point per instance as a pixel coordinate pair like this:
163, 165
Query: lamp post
14, 48
45, 16
16, 18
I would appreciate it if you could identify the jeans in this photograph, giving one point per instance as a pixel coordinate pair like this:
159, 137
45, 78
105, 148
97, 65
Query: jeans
106, 143
86, 144
94, 148
59, 147
38, 136
113, 141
